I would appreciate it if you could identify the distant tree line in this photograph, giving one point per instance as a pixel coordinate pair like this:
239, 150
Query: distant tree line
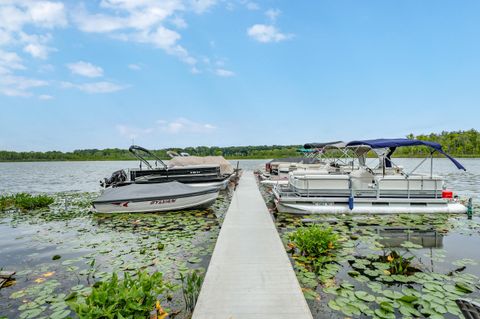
457, 143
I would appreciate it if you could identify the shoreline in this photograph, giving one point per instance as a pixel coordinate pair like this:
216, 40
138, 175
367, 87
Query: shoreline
166, 159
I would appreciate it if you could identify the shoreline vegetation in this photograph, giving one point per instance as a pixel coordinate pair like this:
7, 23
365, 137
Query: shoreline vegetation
463, 144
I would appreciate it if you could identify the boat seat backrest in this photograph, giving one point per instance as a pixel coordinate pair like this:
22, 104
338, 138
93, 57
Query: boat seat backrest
362, 179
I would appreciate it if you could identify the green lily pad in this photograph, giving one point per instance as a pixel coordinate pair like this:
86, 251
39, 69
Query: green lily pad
465, 287
384, 314
333, 304
365, 296
60, 314
387, 306
408, 298
392, 294
310, 294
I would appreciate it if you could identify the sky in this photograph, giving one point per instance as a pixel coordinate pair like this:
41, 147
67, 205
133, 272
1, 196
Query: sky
177, 73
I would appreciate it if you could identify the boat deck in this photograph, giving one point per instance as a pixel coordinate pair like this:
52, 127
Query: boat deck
250, 275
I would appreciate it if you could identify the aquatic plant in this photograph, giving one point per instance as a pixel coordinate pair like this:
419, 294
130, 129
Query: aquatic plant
24, 201
398, 264
191, 285
373, 276
131, 297
315, 240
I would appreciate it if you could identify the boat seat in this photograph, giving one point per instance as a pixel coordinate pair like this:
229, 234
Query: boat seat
362, 179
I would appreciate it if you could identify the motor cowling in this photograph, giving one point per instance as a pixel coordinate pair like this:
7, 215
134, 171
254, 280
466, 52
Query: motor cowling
118, 177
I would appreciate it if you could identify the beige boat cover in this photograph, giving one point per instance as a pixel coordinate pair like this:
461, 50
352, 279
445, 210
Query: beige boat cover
225, 166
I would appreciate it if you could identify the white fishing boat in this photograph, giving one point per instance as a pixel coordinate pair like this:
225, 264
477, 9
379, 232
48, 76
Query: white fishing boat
154, 197
384, 189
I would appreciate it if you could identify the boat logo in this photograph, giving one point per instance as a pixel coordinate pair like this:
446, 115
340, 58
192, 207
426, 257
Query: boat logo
163, 201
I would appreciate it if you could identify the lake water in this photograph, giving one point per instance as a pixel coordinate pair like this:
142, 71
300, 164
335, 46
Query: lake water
51, 177
28, 241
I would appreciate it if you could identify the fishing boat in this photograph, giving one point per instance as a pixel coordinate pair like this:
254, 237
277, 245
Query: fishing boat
197, 173
384, 189
154, 197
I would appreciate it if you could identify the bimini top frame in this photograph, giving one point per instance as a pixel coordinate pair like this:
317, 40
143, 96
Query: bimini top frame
320, 150
141, 153
392, 144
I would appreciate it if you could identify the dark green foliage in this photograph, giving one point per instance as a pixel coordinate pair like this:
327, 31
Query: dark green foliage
234, 152
25, 201
315, 240
457, 143
132, 297
191, 285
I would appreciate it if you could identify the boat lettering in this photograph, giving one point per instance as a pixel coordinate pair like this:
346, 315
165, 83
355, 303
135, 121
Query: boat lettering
163, 201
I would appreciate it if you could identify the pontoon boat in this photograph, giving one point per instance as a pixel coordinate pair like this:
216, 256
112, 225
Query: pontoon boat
384, 189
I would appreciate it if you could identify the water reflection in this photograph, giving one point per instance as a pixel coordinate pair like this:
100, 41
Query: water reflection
394, 237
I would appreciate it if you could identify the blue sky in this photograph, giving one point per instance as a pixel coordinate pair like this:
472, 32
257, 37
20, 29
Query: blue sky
174, 73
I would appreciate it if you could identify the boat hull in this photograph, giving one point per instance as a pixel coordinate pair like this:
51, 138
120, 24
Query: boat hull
340, 205
163, 204
310, 208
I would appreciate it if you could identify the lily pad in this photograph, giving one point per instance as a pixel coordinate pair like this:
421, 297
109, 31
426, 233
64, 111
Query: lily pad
365, 296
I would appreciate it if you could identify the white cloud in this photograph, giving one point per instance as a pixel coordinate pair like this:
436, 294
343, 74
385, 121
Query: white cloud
267, 33
45, 97
37, 50
35, 44
224, 73
184, 125
132, 132
134, 66
95, 87
12, 85
178, 126
273, 14
47, 14
200, 6
143, 21
180, 23
17, 16
85, 69
10, 61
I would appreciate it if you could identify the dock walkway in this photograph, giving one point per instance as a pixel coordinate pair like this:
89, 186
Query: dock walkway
250, 275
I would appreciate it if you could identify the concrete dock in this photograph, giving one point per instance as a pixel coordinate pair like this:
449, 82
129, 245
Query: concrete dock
250, 275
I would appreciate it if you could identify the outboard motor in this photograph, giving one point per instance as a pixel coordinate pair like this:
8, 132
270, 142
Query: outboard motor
118, 177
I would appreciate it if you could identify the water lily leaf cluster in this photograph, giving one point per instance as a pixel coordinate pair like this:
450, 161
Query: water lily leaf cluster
79, 249
393, 266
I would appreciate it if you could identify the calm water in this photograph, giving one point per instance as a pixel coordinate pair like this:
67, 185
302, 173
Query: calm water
90, 247
51, 177
29, 241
